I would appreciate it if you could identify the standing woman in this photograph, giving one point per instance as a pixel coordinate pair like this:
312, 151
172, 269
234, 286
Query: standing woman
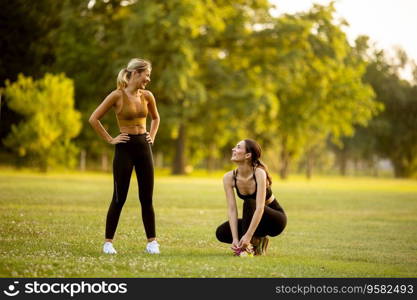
262, 215
131, 104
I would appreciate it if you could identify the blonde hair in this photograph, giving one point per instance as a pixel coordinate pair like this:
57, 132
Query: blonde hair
135, 64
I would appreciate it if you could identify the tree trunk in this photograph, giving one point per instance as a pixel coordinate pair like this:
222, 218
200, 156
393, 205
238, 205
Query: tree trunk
342, 162
104, 161
210, 160
83, 155
356, 166
178, 165
210, 163
309, 165
43, 166
159, 159
399, 169
375, 171
285, 161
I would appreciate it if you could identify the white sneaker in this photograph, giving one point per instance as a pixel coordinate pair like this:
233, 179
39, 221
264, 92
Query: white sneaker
152, 247
108, 248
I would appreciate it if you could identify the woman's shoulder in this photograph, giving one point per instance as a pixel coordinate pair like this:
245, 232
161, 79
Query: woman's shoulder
228, 176
117, 93
113, 97
147, 94
260, 173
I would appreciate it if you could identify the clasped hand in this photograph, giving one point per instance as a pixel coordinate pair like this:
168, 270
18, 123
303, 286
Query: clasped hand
242, 243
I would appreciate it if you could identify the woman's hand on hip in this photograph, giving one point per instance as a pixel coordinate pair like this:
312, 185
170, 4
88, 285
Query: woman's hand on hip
121, 138
149, 138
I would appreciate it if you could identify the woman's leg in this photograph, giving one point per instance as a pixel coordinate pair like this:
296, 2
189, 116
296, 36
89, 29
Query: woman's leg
273, 220
145, 176
122, 171
224, 233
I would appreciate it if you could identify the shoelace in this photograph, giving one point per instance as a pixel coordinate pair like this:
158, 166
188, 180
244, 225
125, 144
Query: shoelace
240, 251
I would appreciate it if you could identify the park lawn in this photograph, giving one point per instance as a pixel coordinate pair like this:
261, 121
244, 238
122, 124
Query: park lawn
53, 225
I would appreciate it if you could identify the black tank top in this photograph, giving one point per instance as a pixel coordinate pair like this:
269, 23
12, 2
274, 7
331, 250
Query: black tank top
251, 196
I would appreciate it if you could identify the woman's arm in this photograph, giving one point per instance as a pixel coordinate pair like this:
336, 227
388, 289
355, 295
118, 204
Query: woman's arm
260, 204
231, 206
154, 115
100, 111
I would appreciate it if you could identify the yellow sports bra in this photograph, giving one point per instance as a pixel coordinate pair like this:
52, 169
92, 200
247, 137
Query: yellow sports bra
133, 113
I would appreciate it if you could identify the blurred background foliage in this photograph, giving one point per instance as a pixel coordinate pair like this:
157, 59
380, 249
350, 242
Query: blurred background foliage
222, 71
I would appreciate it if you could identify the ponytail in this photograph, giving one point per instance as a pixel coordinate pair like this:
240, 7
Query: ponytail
123, 78
260, 164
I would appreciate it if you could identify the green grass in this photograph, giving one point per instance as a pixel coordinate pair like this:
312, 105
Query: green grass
52, 226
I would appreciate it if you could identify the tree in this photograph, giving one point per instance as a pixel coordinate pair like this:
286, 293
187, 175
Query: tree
49, 120
321, 91
88, 43
31, 22
26, 45
240, 100
181, 38
395, 129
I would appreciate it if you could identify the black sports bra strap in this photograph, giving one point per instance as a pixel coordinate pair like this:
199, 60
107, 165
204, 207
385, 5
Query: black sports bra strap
234, 177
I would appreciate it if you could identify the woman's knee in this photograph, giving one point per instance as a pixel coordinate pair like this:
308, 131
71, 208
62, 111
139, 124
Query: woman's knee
277, 230
218, 234
117, 202
221, 234
147, 203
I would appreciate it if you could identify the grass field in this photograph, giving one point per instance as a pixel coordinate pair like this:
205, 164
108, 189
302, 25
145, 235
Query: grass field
52, 226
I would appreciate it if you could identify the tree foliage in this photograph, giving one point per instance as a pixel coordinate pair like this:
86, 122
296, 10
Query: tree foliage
395, 130
49, 119
320, 87
228, 70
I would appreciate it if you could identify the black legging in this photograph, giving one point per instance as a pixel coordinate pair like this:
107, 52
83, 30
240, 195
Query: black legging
272, 223
135, 153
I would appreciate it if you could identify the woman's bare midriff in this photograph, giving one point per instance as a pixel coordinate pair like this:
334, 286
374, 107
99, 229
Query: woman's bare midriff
138, 129
132, 126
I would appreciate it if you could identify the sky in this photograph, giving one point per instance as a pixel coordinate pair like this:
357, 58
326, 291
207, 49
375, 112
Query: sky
389, 23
